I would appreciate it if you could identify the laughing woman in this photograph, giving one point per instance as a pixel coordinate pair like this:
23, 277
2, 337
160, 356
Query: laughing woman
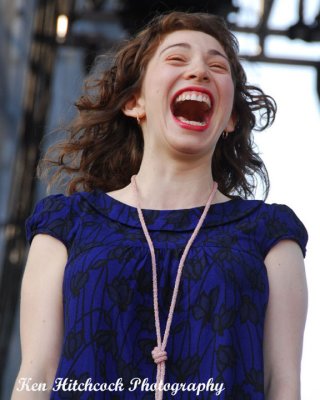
159, 275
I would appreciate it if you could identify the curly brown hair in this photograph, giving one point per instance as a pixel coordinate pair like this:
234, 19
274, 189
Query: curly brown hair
104, 147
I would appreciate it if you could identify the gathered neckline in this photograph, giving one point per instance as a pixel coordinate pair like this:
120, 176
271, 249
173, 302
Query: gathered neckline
168, 209
177, 219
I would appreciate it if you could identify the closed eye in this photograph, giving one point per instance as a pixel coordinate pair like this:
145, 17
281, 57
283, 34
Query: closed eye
219, 66
176, 58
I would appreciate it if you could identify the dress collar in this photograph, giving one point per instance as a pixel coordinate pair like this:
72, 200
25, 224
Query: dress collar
171, 220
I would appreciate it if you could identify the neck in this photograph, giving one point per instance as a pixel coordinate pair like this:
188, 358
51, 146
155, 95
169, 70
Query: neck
174, 185
171, 184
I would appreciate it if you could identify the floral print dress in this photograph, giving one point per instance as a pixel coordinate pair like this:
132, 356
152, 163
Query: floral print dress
215, 348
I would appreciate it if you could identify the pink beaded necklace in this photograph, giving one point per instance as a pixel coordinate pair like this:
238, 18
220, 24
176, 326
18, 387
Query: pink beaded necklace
159, 353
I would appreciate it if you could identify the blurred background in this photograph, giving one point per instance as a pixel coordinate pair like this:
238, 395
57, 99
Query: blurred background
47, 47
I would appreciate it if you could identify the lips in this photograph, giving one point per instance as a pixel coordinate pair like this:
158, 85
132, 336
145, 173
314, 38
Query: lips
192, 108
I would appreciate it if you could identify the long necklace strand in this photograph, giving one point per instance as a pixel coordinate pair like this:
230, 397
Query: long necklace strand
159, 353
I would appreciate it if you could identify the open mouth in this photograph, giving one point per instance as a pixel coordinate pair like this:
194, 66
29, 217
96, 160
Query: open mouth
192, 109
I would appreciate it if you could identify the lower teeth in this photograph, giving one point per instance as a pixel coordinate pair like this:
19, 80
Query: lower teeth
195, 123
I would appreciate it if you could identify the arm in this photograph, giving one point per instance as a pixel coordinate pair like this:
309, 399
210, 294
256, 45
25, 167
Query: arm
285, 321
41, 322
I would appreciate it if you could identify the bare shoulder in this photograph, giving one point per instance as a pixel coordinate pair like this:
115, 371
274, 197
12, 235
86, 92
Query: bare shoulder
123, 195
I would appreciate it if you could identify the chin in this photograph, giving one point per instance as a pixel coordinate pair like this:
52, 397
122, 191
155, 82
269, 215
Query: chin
191, 149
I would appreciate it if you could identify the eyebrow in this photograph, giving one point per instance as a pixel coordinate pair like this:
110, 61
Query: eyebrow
212, 52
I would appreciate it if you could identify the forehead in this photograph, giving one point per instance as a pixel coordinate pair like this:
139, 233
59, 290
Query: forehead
195, 40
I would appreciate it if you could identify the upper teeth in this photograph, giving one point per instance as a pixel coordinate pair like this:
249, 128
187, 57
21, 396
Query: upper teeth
195, 96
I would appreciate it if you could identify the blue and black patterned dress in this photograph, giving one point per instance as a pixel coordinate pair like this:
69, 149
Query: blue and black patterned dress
217, 329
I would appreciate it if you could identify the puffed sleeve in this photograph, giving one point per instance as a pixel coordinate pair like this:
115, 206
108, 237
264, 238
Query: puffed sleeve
53, 216
279, 222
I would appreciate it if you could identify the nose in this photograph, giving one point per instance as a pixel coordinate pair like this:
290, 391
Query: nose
198, 71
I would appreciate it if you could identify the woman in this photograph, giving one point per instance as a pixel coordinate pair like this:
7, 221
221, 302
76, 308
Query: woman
142, 291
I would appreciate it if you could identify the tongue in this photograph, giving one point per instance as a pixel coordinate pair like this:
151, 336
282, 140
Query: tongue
190, 110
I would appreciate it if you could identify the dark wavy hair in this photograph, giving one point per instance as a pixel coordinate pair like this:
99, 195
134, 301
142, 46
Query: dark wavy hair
104, 147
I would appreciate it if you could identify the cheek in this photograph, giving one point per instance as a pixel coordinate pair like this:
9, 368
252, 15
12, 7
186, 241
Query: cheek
157, 91
228, 91
151, 87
